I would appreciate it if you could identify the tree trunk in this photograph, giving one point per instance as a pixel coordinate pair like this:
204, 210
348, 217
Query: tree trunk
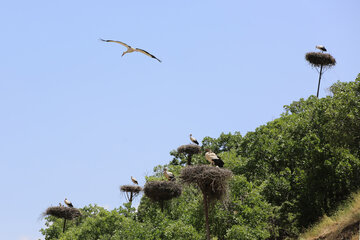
317, 94
206, 210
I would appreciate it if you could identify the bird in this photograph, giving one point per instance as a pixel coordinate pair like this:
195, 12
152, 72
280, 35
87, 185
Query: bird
60, 205
131, 49
134, 180
169, 175
321, 47
68, 203
193, 139
213, 158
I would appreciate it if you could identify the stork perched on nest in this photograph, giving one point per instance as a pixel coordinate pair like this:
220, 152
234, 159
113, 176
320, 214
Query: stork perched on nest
131, 49
213, 158
321, 47
169, 175
68, 203
193, 139
134, 180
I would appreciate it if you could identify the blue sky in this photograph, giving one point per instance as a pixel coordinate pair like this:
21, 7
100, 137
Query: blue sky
77, 119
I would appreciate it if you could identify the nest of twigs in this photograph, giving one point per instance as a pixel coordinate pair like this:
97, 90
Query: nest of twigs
212, 181
130, 188
63, 212
316, 59
162, 190
189, 149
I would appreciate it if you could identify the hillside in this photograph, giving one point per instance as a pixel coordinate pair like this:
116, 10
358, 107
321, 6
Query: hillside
344, 224
286, 175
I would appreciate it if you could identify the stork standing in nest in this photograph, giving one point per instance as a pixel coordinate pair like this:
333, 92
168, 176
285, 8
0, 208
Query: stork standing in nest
213, 158
131, 49
193, 139
169, 175
321, 48
134, 180
68, 203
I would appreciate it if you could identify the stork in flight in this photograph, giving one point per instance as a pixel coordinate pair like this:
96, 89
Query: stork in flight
169, 175
213, 158
134, 180
193, 139
321, 47
68, 203
131, 49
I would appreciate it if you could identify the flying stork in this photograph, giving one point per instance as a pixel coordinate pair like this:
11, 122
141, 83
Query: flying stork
134, 180
321, 47
193, 139
169, 175
131, 49
213, 158
68, 203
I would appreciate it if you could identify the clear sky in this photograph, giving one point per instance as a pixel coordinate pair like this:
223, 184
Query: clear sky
77, 119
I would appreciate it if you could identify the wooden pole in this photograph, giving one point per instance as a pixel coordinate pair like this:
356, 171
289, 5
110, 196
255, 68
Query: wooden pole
64, 225
189, 156
131, 197
162, 206
206, 210
317, 94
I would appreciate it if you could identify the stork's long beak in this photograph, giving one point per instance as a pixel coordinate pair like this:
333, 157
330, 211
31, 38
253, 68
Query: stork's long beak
123, 54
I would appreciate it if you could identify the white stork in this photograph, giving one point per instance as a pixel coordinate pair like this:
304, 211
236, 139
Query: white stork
169, 175
134, 180
131, 49
193, 139
321, 47
213, 158
68, 203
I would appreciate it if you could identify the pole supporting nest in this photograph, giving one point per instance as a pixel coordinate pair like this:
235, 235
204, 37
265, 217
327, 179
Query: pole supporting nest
321, 61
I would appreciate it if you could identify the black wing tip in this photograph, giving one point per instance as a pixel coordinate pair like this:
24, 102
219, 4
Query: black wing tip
104, 40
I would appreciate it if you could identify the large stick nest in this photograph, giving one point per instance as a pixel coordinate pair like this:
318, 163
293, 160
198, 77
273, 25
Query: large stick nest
63, 212
130, 188
162, 190
212, 181
316, 59
189, 149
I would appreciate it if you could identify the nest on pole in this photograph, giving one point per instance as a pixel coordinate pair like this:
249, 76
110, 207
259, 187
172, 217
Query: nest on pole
212, 181
318, 59
67, 213
189, 149
130, 191
161, 191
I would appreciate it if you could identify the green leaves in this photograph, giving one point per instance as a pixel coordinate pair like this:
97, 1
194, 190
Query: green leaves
287, 174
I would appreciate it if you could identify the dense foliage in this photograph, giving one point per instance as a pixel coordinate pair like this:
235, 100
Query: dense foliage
287, 174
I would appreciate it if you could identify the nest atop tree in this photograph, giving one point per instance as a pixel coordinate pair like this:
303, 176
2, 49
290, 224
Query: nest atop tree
189, 149
162, 190
212, 181
63, 212
131, 188
316, 59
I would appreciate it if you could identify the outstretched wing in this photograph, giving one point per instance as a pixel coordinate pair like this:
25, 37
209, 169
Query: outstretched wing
146, 53
124, 44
